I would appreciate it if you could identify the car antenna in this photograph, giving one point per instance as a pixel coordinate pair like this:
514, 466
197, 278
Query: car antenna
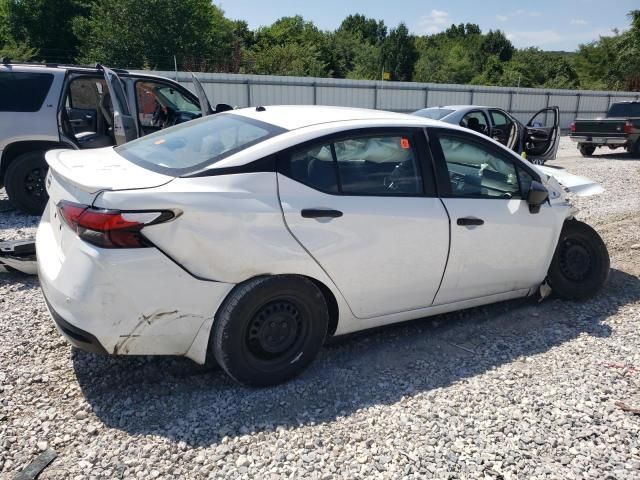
260, 108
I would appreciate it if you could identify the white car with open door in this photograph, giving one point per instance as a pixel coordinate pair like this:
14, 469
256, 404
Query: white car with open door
250, 236
538, 139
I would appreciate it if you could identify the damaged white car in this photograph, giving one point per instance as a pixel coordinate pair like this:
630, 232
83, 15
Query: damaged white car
252, 235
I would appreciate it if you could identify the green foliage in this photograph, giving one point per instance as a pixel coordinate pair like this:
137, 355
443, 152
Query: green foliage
130, 33
148, 33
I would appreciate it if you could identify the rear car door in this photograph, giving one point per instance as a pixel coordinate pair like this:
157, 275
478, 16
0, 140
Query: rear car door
497, 244
363, 205
542, 136
504, 129
125, 128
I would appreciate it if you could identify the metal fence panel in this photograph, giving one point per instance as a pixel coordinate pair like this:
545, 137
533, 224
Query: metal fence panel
253, 90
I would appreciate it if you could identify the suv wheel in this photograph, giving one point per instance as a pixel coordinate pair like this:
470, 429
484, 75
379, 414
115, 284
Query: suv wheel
24, 181
269, 329
580, 264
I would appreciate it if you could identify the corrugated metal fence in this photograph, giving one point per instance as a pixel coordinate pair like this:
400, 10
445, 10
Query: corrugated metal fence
253, 90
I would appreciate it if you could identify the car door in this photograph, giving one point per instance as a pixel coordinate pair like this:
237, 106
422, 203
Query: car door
542, 136
363, 205
497, 244
125, 128
504, 129
205, 106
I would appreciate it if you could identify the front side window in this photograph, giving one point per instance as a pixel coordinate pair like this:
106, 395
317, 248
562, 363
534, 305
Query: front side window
499, 118
476, 170
161, 105
191, 146
23, 91
384, 165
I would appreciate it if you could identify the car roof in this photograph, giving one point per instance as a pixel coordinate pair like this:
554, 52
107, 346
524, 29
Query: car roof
292, 117
458, 107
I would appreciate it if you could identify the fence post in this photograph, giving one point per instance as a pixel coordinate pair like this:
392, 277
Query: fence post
248, 93
547, 106
375, 96
426, 97
315, 95
577, 105
471, 97
510, 101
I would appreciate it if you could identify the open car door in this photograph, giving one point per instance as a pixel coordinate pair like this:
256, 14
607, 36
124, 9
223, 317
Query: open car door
205, 106
125, 127
542, 135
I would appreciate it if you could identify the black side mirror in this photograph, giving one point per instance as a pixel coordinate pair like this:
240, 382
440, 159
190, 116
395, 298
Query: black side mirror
223, 107
537, 195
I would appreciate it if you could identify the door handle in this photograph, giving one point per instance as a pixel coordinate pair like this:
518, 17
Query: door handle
470, 222
320, 213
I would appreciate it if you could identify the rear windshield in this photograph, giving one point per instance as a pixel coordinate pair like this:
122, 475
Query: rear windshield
23, 91
193, 145
624, 110
433, 113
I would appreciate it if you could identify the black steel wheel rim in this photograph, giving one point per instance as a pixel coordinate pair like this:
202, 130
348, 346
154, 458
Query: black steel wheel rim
576, 260
276, 330
34, 182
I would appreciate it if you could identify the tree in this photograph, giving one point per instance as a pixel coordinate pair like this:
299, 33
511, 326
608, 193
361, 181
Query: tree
399, 53
47, 26
496, 43
128, 33
369, 30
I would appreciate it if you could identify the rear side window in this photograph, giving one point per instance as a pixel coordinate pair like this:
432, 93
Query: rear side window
381, 165
193, 145
23, 91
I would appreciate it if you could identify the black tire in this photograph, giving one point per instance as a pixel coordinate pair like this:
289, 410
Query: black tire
24, 182
269, 329
580, 265
587, 150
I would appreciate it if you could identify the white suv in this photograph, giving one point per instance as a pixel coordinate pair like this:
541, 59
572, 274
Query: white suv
58, 106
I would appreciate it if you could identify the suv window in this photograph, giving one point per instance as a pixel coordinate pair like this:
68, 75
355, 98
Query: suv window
159, 103
384, 165
23, 91
83, 92
478, 171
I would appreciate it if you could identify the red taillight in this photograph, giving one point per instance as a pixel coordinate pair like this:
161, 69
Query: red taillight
628, 127
109, 228
572, 127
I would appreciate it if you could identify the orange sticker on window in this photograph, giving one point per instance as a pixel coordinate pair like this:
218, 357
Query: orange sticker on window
404, 142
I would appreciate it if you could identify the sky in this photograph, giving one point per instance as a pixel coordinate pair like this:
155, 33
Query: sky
546, 24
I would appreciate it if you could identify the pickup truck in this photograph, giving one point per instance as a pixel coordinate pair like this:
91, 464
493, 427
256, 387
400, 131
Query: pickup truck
619, 128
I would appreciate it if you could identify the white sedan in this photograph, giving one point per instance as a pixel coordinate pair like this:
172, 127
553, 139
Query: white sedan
252, 235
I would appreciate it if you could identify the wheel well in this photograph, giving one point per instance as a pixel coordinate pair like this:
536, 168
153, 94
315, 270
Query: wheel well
332, 305
18, 148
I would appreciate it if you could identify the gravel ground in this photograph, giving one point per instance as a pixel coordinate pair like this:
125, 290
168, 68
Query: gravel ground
513, 390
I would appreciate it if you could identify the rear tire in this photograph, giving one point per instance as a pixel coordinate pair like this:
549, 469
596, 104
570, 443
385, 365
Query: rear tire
580, 265
587, 150
24, 182
269, 329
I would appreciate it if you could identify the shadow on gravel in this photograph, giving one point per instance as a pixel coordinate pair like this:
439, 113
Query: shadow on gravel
176, 399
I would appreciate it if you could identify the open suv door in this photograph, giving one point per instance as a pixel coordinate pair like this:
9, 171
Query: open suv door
125, 127
542, 135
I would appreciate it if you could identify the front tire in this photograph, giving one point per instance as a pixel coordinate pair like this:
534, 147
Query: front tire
587, 150
24, 182
580, 265
269, 329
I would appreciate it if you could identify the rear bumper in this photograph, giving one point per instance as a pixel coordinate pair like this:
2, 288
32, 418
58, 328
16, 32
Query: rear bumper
600, 140
125, 301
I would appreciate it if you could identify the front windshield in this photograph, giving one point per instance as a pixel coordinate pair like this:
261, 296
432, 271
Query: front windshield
193, 145
433, 113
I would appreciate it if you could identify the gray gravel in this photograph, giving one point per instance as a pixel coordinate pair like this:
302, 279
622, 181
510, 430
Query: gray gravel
514, 390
